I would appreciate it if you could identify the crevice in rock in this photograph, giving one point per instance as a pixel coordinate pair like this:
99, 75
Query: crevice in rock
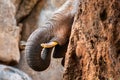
23, 17
103, 15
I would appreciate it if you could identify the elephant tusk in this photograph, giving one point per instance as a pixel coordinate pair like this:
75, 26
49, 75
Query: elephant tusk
49, 45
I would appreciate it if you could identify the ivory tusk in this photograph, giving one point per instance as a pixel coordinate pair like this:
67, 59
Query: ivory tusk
49, 45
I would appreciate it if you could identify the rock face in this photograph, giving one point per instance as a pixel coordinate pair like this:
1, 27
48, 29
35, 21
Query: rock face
10, 73
24, 8
9, 33
94, 48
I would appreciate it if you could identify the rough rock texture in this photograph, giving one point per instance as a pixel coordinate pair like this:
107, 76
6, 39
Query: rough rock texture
10, 73
94, 47
9, 33
16, 3
24, 9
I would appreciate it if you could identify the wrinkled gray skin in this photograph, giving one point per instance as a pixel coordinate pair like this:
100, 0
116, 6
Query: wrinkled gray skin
57, 28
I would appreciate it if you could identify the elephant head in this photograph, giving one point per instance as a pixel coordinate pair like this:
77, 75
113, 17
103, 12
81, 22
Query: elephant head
56, 29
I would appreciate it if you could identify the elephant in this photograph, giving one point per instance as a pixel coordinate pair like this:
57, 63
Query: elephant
53, 37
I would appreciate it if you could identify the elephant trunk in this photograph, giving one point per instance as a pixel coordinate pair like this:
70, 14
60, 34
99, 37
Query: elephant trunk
55, 29
33, 50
